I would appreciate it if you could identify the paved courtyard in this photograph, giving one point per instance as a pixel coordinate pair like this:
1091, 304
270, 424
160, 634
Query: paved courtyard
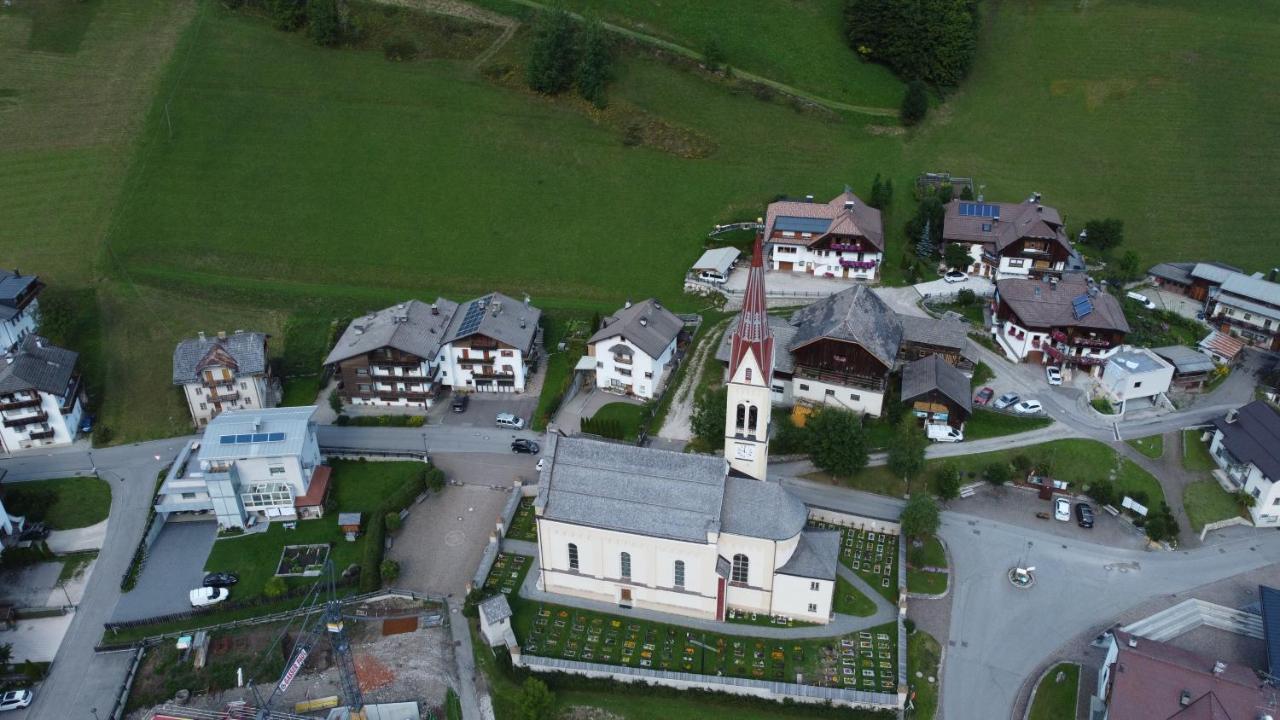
174, 567
444, 537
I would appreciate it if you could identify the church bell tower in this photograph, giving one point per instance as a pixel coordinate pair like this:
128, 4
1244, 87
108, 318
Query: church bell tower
746, 442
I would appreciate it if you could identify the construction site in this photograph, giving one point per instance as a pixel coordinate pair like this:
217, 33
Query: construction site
388, 657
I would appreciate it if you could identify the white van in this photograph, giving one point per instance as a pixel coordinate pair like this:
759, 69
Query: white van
711, 276
1146, 301
939, 432
509, 421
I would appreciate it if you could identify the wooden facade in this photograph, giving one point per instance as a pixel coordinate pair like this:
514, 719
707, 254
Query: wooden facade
360, 377
935, 407
840, 362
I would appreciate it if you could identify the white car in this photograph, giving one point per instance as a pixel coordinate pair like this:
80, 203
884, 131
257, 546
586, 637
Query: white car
15, 699
1028, 407
955, 276
939, 432
1062, 509
542, 462
1142, 300
1053, 374
206, 596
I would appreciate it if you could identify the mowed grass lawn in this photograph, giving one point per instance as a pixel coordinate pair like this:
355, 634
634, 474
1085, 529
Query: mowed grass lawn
1205, 501
1195, 452
989, 423
1056, 700
1152, 446
356, 486
65, 504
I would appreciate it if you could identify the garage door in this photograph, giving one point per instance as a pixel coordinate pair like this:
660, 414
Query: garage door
786, 266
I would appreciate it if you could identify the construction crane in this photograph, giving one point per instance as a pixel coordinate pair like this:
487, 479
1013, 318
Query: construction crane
321, 615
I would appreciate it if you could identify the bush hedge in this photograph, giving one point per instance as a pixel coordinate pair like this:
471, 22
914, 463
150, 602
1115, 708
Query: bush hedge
376, 532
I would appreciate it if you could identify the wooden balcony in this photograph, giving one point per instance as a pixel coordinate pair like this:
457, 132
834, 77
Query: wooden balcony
845, 379
17, 402
42, 433
24, 420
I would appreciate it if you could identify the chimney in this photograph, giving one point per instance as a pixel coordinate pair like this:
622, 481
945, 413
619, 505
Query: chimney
657, 304
497, 308
1271, 276
1232, 415
200, 335
1037, 291
222, 334
527, 300
1185, 698
1133, 641
848, 205
808, 198
522, 322
435, 309
1219, 667
626, 304
644, 322
1039, 208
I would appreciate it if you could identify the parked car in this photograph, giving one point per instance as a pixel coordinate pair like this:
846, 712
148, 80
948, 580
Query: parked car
711, 276
1084, 515
460, 403
15, 699
542, 463
206, 596
86, 423
1142, 299
1062, 509
939, 432
507, 420
527, 447
984, 396
1005, 401
221, 579
1028, 407
1053, 374
955, 276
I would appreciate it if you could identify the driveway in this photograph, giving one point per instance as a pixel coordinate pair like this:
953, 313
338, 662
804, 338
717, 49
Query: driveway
443, 538
482, 408
174, 567
941, 289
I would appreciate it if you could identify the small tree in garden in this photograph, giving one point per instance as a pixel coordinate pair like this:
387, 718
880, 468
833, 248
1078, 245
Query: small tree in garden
1244, 501
392, 521
536, 701
948, 482
553, 52
956, 256
390, 570
906, 455
274, 587
1104, 235
712, 55
920, 517
837, 442
915, 103
997, 473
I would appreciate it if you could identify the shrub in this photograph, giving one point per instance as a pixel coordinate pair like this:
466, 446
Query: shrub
324, 23
392, 521
712, 55
390, 570
595, 67
287, 15
966, 296
274, 588
1022, 464
102, 435
997, 473
947, 484
915, 103
553, 53
1103, 492
536, 701
434, 479
371, 564
335, 401
400, 50
909, 625
837, 441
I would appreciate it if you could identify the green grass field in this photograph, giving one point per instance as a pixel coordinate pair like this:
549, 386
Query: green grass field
924, 655
1195, 453
989, 423
65, 504
849, 600
627, 415
1205, 501
331, 181
1057, 700
927, 583
1152, 446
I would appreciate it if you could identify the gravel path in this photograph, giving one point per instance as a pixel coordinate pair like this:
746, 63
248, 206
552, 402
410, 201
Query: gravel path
678, 425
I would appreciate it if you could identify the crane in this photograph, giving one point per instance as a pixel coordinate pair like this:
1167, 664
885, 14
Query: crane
322, 615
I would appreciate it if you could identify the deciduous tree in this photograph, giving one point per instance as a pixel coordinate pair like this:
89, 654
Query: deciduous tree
595, 68
1104, 235
920, 517
553, 52
536, 700
929, 40
906, 454
837, 441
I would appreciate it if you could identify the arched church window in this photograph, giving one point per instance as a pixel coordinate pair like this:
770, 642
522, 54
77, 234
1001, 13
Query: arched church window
741, 568
573, 556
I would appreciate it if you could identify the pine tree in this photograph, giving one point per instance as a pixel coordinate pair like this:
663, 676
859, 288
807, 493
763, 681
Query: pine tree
594, 68
552, 55
877, 194
924, 245
915, 103
324, 22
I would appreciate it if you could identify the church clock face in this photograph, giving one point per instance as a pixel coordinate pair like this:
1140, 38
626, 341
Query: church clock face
743, 451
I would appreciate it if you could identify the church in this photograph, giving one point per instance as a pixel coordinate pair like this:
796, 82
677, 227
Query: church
688, 534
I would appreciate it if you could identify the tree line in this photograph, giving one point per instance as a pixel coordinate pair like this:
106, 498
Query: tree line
566, 54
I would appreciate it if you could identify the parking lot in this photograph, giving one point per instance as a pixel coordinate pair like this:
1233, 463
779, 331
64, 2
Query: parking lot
175, 566
1019, 506
482, 408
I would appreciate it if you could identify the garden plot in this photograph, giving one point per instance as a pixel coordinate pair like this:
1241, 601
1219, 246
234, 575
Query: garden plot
523, 524
302, 560
872, 555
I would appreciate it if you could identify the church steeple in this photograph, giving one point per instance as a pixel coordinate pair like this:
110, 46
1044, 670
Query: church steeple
750, 377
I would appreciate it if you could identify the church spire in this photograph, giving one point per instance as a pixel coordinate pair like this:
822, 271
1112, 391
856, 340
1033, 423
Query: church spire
752, 335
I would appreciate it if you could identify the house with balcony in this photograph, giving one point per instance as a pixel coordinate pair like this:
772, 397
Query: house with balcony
1008, 240
1247, 307
19, 307
249, 466
42, 397
841, 238
1246, 447
225, 372
635, 349
1057, 321
936, 391
393, 357
492, 345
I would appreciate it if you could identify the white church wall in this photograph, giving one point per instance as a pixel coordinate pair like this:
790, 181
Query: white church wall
803, 598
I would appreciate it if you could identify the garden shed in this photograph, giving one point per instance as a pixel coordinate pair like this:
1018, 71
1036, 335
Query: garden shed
349, 524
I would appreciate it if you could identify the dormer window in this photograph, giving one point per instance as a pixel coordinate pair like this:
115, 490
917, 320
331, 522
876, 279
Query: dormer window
986, 227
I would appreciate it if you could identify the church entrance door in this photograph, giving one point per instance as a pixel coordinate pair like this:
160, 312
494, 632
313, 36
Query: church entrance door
625, 600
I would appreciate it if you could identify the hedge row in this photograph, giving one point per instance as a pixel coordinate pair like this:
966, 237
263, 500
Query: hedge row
376, 531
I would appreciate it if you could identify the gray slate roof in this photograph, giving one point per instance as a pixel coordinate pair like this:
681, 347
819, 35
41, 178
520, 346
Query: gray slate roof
856, 315
783, 333
934, 331
294, 422
37, 365
348, 518
933, 373
1254, 437
12, 287
642, 491
761, 509
646, 324
1040, 304
1251, 304
499, 317
247, 349
408, 327
1214, 272
816, 555
1185, 360
1179, 272
495, 609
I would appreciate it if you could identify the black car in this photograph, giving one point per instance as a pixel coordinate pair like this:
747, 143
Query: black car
460, 403
1084, 515
528, 447
221, 579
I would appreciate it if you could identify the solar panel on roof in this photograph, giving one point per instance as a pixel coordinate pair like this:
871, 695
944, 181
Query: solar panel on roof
244, 438
471, 321
1081, 306
227, 440
974, 209
250, 438
798, 224
259, 437
275, 437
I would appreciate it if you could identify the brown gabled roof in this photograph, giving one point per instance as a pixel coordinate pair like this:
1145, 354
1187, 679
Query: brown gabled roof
860, 220
1039, 303
1013, 222
1149, 679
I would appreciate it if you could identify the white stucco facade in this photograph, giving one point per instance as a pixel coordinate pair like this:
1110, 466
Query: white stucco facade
475, 370
1134, 374
1247, 477
799, 258
621, 366
1019, 343
221, 391
821, 394
747, 418
13, 330
41, 422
